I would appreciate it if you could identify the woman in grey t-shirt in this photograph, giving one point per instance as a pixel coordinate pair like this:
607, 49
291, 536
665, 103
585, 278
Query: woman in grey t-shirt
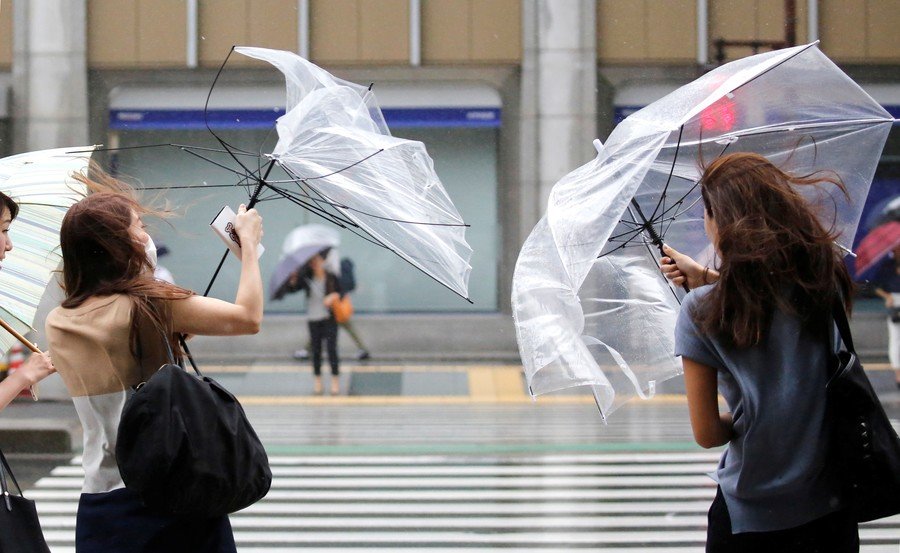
759, 330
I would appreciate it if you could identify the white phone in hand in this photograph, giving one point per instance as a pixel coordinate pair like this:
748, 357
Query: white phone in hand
223, 226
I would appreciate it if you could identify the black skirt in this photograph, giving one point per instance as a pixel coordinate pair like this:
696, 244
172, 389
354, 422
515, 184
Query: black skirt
117, 522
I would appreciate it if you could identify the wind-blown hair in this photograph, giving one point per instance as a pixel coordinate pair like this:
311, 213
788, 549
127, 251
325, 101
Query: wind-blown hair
775, 254
100, 257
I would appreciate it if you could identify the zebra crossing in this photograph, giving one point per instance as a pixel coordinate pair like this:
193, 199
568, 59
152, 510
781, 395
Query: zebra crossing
613, 502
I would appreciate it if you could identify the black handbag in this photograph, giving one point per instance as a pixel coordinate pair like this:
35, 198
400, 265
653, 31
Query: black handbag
185, 446
20, 529
894, 314
865, 448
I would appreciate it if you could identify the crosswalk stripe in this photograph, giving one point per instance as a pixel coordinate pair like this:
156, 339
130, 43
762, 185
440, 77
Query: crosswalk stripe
656, 502
310, 471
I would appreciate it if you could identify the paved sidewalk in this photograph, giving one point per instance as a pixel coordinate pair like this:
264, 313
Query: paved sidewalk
51, 427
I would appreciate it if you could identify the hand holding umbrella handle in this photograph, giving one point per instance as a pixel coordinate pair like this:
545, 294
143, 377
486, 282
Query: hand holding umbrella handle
28, 345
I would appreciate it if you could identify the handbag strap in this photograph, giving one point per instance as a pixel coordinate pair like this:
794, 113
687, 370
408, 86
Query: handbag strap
4, 470
840, 318
190, 357
171, 354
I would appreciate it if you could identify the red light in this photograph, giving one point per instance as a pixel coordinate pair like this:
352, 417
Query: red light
720, 116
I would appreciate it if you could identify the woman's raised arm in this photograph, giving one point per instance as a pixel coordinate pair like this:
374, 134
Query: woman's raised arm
214, 317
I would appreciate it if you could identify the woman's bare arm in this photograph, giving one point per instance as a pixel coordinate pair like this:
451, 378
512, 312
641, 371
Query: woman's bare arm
214, 317
711, 429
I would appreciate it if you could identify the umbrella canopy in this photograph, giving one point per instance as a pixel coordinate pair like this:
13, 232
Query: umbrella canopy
336, 148
300, 245
876, 246
41, 183
590, 305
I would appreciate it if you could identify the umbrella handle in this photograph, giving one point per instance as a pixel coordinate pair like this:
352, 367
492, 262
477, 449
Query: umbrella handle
27, 343
19, 337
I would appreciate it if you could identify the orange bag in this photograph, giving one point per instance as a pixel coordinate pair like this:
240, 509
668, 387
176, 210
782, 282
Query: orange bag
342, 309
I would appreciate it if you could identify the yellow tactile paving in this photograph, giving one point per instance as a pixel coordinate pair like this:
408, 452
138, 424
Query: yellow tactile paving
497, 382
304, 367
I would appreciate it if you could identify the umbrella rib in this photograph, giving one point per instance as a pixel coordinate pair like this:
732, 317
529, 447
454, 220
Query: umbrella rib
354, 164
216, 150
785, 60
298, 199
300, 184
191, 186
372, 238
220, 165
343, 206
662, 197
689, 192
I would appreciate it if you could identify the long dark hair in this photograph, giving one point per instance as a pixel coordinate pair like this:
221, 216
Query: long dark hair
100, 257
775, 254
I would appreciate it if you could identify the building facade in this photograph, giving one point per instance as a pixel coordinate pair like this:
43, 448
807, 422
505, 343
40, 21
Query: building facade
507, 95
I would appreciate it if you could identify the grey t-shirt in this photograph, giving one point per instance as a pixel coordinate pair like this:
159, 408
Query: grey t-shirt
773, 473
315, 306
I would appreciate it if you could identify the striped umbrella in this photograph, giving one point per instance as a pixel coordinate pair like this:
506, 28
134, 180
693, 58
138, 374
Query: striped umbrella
41, 183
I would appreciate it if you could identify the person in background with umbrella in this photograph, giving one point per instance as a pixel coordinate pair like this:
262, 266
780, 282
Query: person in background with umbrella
322, 289
38, 366
109, 335
888, 289
761, 333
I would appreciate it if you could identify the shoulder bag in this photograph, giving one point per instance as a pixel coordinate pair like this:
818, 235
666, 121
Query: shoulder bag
185, 446
342, 309
865, 448
20, 529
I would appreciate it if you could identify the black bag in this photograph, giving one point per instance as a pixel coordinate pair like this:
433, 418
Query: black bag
865, 449
185, 446
347, 278
20, 530
894, 314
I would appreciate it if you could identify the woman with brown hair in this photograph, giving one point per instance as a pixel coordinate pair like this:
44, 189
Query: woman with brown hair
38, 366
759, 330
110, 334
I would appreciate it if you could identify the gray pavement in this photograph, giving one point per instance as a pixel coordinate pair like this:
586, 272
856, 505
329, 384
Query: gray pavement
442, 457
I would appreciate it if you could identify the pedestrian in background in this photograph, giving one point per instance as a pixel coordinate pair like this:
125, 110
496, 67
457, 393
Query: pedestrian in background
760, 330
347, 278
322, 289
38, 365
888, 289
110, 334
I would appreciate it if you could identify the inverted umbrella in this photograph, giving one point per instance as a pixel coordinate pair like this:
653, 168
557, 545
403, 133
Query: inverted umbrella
876, 246
300, 245
591, 307
336, 158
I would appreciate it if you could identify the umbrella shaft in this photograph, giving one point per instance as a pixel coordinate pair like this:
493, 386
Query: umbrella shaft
654, 236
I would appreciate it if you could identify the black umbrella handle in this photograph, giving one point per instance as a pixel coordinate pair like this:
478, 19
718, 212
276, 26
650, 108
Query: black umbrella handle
655, 238
254, 199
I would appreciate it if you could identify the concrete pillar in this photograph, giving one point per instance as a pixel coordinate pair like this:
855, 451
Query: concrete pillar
49, 74
559, 96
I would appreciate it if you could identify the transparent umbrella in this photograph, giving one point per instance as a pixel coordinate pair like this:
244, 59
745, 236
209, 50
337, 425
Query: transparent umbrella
41, 183
591, 307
